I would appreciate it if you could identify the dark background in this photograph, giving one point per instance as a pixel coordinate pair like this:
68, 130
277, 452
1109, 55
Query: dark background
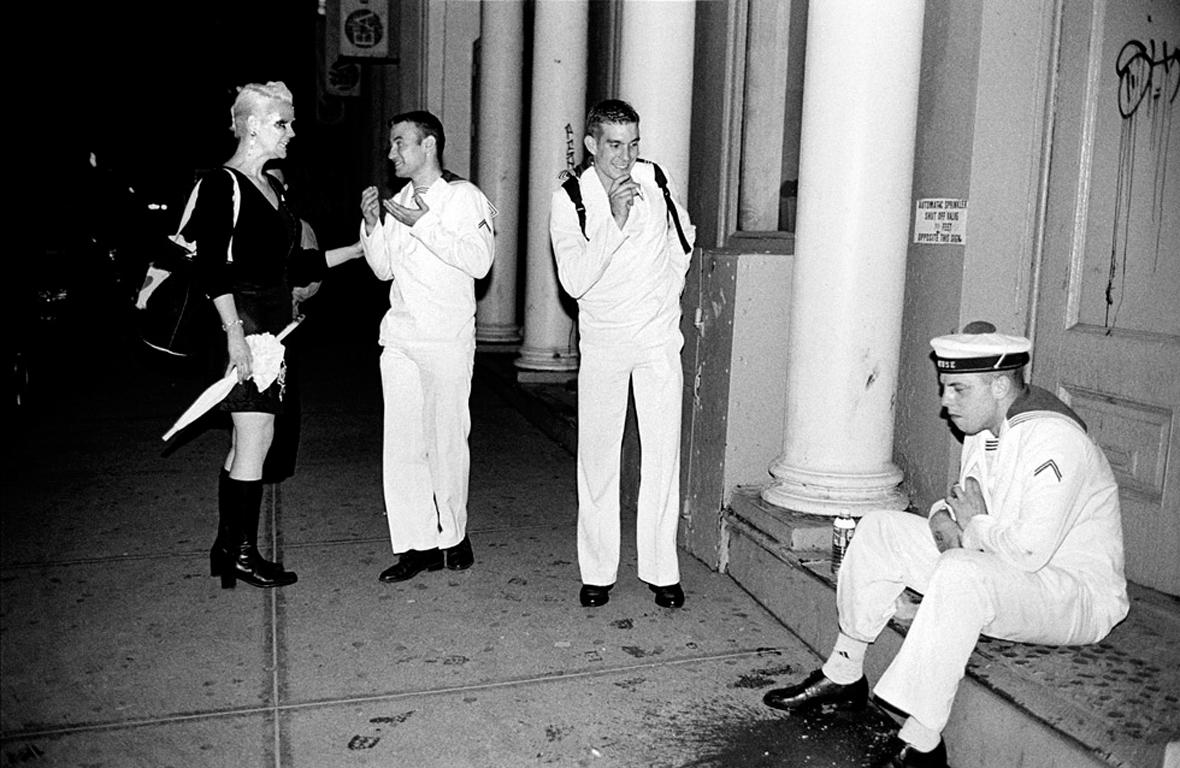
150, 84
147, 87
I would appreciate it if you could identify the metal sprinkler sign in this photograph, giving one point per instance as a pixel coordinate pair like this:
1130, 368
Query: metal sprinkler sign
940, 221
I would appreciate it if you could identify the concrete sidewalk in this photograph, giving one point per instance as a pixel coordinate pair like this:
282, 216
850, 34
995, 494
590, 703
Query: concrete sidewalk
119, 650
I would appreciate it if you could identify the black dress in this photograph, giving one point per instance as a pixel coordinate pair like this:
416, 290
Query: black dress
266, 262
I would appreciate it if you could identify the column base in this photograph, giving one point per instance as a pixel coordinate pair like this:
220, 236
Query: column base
834, 494
495, 333
537, 359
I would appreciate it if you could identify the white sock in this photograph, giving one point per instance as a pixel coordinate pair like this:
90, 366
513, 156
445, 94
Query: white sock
919, 736
846, 665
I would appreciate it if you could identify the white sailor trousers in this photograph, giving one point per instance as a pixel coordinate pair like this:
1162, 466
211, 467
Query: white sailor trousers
425, 458
655, 374
966, 593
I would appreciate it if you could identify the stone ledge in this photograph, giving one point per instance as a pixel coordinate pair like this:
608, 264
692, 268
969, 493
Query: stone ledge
1113, 704
796, 531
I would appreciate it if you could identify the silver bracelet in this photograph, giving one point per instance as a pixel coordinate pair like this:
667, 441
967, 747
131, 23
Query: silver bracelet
231, 324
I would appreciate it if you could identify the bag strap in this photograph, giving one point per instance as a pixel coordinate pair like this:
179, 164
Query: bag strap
662, 183
191, 247
573, 189
229, 251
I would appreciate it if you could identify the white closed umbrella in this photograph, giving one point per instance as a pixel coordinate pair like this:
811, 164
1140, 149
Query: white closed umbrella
217, 391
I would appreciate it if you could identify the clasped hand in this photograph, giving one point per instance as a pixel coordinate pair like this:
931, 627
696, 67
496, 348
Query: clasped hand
947, 533
965, 502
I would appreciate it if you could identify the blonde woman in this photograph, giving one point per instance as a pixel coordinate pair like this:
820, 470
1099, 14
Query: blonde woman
247, 266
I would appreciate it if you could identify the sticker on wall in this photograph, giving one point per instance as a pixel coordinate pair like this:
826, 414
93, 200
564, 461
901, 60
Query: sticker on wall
365, 29
940, 221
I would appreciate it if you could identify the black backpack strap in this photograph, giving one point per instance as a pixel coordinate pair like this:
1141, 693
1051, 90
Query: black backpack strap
574, 190
662, 183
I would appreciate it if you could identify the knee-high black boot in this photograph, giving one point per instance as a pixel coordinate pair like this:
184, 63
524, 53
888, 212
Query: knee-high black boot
228, 535
248, 550
235, 554
225, 527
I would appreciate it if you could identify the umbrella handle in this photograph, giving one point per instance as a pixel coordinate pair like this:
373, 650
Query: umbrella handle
292, 326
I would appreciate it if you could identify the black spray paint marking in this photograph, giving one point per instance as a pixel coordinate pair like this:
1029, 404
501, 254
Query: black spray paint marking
569, 147
1147, 87
363, 742
1141, 73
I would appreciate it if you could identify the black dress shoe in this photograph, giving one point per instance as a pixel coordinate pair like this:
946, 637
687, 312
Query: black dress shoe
819, 691
593, 596
671, 596
905, 756
412, 562
459, 557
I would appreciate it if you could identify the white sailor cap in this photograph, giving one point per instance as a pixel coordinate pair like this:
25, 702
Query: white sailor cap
979, 349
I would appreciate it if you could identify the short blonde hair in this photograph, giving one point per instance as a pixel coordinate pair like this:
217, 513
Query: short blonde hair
253, 99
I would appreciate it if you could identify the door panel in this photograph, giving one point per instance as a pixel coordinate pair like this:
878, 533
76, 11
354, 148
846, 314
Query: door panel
1108, 308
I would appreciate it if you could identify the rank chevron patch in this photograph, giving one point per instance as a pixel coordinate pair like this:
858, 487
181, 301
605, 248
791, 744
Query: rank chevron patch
1050, 464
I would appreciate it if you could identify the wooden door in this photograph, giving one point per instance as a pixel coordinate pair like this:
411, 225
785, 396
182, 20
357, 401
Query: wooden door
1108, 303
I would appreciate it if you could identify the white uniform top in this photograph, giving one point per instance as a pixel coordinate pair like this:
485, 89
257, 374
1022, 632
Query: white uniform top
627, 282
1052, 501
433, 264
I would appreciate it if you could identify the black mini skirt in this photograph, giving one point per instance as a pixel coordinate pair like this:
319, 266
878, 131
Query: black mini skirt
262, 310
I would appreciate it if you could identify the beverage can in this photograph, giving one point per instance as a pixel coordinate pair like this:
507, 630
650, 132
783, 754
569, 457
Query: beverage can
842, 529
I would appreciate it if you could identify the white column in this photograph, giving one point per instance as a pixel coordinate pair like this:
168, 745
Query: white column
655, 77
860, 99
498, 172
452, 29
555, 143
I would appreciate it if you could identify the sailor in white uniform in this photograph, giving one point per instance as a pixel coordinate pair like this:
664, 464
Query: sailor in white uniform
622, 246
1027, 546
434, 242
